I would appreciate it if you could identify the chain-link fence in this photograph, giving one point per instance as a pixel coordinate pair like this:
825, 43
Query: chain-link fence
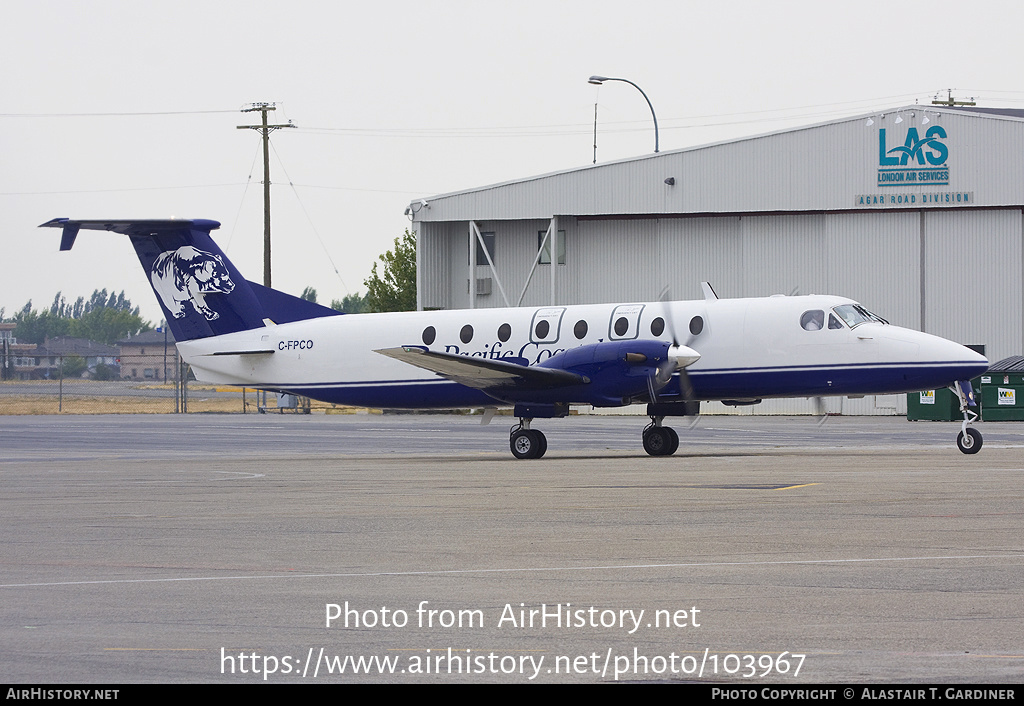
67, 390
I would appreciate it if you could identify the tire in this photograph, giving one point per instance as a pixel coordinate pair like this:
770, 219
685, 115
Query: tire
673, 439
657, 442
971, 443
542, 444
527, 443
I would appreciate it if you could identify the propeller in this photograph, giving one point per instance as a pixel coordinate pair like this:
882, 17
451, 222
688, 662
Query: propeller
680, 355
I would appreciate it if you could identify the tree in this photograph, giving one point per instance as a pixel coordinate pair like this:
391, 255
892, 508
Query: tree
104, 318
72, 366
395, 288
350, 304
309, 294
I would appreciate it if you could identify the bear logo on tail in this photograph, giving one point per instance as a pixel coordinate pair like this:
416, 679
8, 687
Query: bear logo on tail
186, 275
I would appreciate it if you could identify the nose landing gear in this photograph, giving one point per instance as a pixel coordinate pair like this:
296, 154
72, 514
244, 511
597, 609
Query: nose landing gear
969, 439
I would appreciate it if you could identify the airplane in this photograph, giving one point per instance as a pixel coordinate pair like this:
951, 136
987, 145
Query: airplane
538, 360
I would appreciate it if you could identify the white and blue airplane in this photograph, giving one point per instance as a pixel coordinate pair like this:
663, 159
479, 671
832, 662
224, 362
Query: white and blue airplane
538, 360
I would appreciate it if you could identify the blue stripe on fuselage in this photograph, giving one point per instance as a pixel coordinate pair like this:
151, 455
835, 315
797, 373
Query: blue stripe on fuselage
800, 381
780, 381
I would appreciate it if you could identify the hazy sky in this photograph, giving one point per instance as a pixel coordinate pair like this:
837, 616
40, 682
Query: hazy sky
116, 109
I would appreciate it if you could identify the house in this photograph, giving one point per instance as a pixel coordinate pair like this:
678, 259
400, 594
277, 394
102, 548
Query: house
151, 355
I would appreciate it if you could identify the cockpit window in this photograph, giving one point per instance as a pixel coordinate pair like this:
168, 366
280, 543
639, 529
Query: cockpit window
833, 322
812, 320
854, 315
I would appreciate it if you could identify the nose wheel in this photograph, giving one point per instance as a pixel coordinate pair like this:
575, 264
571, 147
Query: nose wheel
969, 441
659, 440
526, 442
969, 438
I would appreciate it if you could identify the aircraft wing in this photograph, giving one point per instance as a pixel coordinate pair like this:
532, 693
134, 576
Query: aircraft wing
482, 373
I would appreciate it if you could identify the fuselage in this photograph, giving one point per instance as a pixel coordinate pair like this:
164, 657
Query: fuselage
750, 348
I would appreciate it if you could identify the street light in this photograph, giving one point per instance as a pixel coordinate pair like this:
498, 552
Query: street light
598, 80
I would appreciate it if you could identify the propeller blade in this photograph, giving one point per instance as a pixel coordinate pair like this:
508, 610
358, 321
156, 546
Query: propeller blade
679, 354
820, 410
670, 323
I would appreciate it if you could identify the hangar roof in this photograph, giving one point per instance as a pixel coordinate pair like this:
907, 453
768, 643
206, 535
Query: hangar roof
966, 152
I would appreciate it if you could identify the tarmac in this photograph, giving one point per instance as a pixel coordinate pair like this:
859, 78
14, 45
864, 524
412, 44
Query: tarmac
415, 549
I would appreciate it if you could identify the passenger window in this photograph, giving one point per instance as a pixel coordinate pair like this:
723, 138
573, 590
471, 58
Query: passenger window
812, 320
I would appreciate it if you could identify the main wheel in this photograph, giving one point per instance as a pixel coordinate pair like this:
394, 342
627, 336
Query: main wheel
542, 443
528, 443
969, 443
673, 439
658, 441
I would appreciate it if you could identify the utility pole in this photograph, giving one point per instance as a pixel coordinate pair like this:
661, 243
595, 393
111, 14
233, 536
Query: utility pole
950, 102
265, 129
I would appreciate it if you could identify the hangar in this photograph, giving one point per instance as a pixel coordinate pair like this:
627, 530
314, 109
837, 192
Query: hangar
918, 213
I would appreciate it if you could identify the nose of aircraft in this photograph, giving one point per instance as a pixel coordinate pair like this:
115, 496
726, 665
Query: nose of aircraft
956, 362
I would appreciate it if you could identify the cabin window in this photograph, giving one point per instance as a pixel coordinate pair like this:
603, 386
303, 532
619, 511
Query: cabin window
621, 326
696, 325
466, 334
580, 329
813, 320
543, 328
429, 334
658, 326
504, 332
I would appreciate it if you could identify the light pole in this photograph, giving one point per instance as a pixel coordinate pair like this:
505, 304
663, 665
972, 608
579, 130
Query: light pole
598, 80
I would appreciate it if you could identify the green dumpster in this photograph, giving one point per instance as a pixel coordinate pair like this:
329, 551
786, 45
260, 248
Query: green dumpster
1002, 390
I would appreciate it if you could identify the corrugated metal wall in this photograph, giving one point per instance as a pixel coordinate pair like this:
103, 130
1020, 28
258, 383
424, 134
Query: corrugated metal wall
973, 279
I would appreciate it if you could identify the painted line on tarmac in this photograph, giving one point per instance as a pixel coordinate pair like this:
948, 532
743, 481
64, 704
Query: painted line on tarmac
540, 569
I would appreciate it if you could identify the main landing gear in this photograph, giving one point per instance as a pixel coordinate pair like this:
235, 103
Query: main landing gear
969, 439
526, 442
660, 440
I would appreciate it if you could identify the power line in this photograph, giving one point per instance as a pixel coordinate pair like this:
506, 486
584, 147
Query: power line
104, 191
111, 115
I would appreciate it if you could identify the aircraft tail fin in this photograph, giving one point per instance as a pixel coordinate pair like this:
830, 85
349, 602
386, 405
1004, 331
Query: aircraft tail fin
200, 290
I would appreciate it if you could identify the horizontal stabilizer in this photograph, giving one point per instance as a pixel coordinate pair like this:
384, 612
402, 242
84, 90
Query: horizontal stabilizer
152, 226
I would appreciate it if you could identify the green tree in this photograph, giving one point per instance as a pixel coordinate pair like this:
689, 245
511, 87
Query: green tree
395, 288
103, 318
72, 366
309, 294
107, 325
350, 304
